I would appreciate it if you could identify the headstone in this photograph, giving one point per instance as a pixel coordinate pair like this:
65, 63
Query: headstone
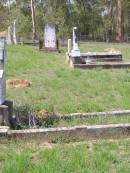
50, 36
2, 72
75, 50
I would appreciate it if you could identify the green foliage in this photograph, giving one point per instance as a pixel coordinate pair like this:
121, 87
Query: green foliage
39, 21
93, 18
57, 12
4, 17
24, 26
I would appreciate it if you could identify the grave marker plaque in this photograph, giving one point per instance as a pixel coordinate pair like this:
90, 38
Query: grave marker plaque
50, 36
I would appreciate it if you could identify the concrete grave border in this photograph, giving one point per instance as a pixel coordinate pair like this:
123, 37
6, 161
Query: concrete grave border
65, 135
94, 114
103, 65
90, 60
72, 134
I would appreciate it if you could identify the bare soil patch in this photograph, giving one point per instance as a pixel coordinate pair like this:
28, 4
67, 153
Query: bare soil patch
16, 83
43, 114
112, 50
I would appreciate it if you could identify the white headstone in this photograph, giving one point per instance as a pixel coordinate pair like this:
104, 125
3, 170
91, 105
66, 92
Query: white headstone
50, 36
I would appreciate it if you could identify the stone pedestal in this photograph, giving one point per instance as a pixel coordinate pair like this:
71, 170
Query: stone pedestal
76, 60
6, 111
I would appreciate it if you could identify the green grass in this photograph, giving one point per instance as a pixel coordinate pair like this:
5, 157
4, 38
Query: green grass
56, 86
94, 157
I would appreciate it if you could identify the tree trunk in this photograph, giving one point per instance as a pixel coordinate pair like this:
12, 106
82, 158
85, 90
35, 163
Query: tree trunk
120, 21
14, 32
9, 35
33, 20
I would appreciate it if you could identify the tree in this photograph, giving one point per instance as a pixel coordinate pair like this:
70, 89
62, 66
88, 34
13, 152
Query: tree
4, 17
33, 20
106, 19
120, 21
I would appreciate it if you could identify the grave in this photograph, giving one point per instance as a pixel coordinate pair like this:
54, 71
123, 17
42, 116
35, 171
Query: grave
5, 106
50, 36
50, 41
110, 59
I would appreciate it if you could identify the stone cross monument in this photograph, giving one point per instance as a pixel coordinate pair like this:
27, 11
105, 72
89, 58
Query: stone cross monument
2, 71
6, 106
75, 51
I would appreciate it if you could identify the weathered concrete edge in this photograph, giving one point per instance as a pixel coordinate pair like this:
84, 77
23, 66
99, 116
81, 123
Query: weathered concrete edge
72, 134
104, 66
94, 114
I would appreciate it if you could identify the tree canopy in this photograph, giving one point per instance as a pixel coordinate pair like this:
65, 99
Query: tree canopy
105, 19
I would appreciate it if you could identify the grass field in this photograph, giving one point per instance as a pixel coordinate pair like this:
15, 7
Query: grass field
57, 87
90, 157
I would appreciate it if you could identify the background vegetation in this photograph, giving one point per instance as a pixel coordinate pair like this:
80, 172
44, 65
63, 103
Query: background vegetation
105, 20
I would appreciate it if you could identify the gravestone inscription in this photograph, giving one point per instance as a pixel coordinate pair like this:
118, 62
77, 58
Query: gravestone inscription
50, 36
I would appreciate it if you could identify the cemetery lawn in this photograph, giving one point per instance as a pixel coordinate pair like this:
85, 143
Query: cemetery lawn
89, 157
59, 88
